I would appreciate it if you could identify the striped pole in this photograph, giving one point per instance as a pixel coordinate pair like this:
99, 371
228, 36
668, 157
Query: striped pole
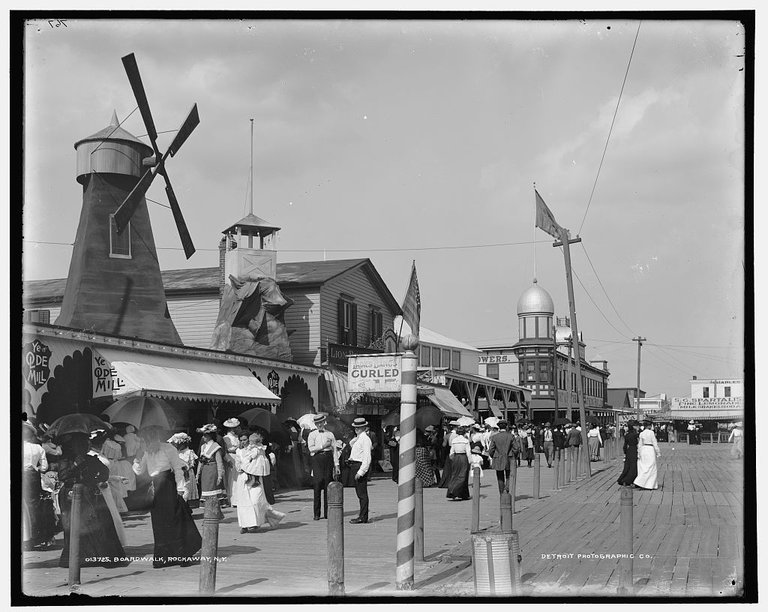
406, 488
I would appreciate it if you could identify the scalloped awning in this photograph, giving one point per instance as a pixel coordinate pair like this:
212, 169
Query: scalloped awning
171, 377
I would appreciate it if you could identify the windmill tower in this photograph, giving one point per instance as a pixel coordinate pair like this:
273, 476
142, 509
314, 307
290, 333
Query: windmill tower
114, 283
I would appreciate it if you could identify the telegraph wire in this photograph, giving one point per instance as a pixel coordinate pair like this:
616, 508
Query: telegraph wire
615, 112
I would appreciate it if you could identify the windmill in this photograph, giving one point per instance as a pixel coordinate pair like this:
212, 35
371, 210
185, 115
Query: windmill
114, 283
156, 162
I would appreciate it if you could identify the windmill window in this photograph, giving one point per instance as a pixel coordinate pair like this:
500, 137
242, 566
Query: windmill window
119, 244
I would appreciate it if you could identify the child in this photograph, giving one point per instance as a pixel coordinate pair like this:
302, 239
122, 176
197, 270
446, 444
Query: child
476, 460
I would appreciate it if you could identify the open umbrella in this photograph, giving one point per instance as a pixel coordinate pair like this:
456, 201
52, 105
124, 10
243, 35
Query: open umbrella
270, 423
492, 421
560, 421
307, 421
428, 415
140, 411
465, 420
393, 418
77, 422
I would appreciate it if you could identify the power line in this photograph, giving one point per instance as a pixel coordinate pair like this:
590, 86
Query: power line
607, 140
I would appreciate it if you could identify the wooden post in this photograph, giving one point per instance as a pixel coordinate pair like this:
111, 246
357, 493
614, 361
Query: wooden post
626, 542
557, 470
475, 527
210, 547
572, 456
507, 504
335, 538
513, 484
580, 461
563, 467
74, 537
536, 475
418, 527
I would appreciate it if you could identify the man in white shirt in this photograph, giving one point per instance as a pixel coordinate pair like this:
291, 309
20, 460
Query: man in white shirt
325, 463
548, 444
360, 463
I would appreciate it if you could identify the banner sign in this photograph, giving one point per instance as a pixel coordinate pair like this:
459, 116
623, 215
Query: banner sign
37, 359
338, 353
106, 382
377, 373
707, 403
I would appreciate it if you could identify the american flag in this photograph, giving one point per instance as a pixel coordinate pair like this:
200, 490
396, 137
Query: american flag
412, 303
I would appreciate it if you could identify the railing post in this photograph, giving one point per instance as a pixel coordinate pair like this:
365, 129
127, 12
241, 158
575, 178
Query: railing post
536, 475
210, 547
626, 542
507, 504
335, 538
74, 537
475, 527
557, 470
418, 526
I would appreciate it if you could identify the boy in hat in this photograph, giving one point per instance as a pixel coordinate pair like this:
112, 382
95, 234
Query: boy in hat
360, 463
325, 463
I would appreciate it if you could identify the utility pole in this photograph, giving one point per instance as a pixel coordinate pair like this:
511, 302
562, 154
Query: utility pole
555, 381
569, 385
639, 341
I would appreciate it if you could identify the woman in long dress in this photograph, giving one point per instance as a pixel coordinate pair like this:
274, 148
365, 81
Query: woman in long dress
111, 492
445, 453
629, 473
39, 520
459, 455
99, 543
594, 440
175, 533
181, 442
210, 469
647, 452
737, 437
112, 451
424, 469
253, 509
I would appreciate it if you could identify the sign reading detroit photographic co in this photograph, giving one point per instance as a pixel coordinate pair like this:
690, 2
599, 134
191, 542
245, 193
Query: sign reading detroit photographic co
377, 373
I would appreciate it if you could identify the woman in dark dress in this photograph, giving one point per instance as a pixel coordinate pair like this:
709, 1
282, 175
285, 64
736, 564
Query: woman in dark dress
392, 440
175, 533
629, 473
99, 544
459, 454
424, 470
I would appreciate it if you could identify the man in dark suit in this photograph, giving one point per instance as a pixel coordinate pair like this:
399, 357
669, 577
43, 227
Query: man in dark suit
501, 446
574, 436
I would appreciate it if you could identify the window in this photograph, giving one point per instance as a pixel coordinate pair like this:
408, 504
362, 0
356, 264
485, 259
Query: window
521, 333
727, 391
492, 370
347, 322
544, 371
705, 392
425, 354
44, 316
530, 371
446, 358
456, 360
376, 324
435, 357
119, 244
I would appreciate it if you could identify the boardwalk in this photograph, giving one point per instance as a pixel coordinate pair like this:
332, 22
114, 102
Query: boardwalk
690, 530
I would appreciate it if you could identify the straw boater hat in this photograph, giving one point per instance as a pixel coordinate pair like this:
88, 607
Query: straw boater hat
359, 422
320, 419
178, 438
429, 428
210, 428
231, 423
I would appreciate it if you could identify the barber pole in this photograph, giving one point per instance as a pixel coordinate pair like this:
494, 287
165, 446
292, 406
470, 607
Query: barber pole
406, 490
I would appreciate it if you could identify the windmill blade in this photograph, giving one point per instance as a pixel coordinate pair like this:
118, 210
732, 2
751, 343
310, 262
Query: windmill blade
132, 70
186, 239
189, 125
128, 207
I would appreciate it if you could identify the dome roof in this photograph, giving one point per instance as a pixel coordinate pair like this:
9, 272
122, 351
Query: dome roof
562, 333
113, 132
535, 300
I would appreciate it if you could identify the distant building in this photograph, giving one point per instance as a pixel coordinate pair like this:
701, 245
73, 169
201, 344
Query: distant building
712, 399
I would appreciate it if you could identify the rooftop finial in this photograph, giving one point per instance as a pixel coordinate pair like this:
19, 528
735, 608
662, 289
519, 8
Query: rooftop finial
534, 280
114, 121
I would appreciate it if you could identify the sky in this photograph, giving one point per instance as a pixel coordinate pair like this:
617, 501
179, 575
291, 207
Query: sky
404, 140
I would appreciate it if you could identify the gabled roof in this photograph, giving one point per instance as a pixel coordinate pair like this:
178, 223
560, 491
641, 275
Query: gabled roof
206, 280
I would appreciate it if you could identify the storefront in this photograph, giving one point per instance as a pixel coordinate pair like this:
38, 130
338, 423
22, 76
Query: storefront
67, 370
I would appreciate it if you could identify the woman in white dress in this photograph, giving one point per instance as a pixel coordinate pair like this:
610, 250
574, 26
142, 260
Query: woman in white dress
647, 452
181, 442
253, 510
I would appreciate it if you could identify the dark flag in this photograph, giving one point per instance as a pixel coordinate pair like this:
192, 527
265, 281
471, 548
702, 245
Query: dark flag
545, 219
412, 303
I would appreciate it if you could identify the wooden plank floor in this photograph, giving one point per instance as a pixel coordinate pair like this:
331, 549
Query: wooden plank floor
689, 533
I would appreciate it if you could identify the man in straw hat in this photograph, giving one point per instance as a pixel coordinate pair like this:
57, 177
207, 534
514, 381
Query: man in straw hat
360, 463
325, 463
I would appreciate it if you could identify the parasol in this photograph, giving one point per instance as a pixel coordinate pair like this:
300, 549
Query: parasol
393, 418
140, 411
77, 422
307, 421
270, 423
492, 421
428, 415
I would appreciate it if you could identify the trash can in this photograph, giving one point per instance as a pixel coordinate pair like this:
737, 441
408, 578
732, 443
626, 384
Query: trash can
497, 561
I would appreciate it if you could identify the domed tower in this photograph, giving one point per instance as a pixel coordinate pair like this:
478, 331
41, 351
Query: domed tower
114, 283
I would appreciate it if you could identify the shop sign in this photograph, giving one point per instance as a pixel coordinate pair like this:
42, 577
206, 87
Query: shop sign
37, 359
376, 373
273, 382
106, 382
707, 403
338, 353
497, 359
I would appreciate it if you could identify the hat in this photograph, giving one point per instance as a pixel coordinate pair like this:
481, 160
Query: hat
475, 426
453, 423
547, 424
207, 429
429, 428
319, 419
178, 438
233, 422
359, 422
97, 432
129, 429
477, 450
29, 427
502, 424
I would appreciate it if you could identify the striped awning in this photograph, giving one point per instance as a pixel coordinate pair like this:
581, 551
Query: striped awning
336, 385
171, 377
447, 402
